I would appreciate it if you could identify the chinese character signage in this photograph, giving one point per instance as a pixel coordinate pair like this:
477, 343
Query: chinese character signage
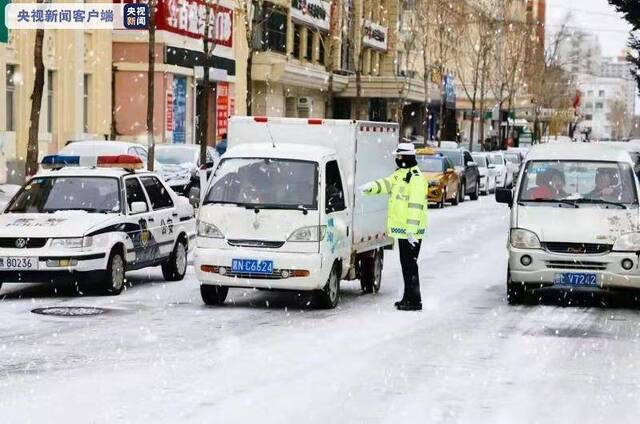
179, 109
64, 16
316, 13
136, 15
187, 17
223, 109
374, 35
168, 117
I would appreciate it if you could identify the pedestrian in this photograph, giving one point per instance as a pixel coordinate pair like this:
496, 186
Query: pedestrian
406, 218
221, 147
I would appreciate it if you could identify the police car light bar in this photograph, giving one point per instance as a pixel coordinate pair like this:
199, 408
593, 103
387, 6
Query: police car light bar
116, 161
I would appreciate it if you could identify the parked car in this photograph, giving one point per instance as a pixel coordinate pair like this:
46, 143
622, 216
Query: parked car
514, 161
487, 173
178, 165
504, 178
467, 171
444, 182
448, 145
92, 148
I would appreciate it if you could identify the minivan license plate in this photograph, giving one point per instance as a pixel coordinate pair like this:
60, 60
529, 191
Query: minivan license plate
576, 279
18, 263
251, 266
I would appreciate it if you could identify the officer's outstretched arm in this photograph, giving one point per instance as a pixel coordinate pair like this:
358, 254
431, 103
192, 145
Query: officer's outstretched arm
381, 186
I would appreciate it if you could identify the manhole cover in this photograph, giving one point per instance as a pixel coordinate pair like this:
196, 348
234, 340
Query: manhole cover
70, 311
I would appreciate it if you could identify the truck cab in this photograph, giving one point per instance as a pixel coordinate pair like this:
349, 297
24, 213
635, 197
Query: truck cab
285, 215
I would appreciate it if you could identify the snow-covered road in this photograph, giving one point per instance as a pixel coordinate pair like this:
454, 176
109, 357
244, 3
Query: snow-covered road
160, 355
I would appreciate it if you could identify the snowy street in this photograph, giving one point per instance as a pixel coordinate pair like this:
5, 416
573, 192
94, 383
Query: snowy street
159, 355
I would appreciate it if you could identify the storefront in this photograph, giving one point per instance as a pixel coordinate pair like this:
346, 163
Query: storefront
180, 64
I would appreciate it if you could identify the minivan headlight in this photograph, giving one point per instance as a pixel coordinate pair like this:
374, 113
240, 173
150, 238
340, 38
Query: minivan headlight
629, 242
209, 230
524, 239
313, 233
72, 243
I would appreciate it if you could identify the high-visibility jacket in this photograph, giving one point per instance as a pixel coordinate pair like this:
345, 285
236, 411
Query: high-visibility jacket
407, 212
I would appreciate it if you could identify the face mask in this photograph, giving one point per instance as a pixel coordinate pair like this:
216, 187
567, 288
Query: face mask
406, 161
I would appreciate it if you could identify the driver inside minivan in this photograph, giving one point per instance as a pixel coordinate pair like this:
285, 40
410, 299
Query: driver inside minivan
607, 185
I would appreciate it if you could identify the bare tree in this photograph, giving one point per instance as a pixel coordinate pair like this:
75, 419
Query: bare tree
619, 118
36, 104
150, 83
208, 45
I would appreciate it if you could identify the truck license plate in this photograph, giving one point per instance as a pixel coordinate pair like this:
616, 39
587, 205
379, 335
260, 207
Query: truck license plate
18, 263
251, 266
576, 279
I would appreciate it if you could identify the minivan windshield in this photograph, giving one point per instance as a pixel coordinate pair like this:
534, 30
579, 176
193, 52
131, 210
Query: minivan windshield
578, 183
51, 194
430, 164
265, 183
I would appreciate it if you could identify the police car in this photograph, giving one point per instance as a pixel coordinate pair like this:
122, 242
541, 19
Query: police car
91, 219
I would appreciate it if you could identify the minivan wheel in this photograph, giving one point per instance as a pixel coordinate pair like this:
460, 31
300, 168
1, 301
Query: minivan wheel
515, 291
213, 295
329, 296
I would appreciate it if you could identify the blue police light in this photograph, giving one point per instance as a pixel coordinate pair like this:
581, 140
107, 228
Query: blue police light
58, 161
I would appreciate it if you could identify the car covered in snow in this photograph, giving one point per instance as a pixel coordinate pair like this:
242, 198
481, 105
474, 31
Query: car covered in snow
574, 221
89, 220
178, 165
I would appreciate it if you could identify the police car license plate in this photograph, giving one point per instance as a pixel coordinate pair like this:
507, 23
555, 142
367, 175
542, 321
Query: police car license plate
251, 266
18, 263
576, 279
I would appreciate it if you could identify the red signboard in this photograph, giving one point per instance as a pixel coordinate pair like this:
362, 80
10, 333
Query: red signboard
188, 17
222, 109
169, 114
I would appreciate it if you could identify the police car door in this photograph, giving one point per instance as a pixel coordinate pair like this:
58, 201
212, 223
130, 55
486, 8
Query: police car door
162, 216
137, 225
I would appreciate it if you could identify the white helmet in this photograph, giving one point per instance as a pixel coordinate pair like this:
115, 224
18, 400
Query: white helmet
405, 149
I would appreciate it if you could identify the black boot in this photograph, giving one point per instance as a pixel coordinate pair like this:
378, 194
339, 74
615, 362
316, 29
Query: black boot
400, 302
410, 306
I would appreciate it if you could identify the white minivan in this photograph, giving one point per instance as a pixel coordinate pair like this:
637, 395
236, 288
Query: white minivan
574, 220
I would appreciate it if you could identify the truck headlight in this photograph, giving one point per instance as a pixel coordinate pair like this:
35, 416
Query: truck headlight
209, 230
524, 239
314, 233
72, 243
629, 242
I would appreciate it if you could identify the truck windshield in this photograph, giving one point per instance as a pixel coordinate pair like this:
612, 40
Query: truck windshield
51, 194
265, 183
430, 164
580, 182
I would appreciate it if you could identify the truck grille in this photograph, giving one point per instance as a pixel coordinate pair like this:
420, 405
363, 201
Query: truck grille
578, 248
588, 265
265, 244
22, 242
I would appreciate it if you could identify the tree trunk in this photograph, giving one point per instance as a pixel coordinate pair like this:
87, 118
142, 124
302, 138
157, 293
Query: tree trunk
114, 131
203, 118
150, 84
358, 93
36, 105
473, 125
249, 83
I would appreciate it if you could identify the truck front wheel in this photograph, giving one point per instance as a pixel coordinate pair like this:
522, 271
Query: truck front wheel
213, 295
329, 296
371, 272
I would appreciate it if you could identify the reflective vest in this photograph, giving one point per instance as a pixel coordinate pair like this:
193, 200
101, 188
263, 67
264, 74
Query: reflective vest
407, 212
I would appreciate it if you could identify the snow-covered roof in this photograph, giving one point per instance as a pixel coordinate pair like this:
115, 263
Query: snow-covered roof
578, 151
281, 150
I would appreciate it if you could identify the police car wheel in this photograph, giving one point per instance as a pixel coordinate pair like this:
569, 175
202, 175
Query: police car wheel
175, 268
329, 296
213, 295
114, 275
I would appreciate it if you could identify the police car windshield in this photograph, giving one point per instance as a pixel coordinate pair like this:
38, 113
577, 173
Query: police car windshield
430, 164
52, 194
176, 155
265, 183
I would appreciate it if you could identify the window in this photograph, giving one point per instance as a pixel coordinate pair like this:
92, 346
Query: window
601, 93
297, 39
10, 98
134, 192
334, 194
274, 36
590, 93
599, 105
50, 115
308, 52
588, 117
85, 102
158, 195
321, 47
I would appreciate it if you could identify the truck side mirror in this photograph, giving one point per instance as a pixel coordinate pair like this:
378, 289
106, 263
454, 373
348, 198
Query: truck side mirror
504, 195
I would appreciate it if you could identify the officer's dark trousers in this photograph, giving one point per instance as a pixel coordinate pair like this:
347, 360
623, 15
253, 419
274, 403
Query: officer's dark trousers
409, 262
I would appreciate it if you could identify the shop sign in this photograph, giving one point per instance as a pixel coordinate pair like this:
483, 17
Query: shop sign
316, 13
375, 35
222, 109
168, 121
179, 109
187, 17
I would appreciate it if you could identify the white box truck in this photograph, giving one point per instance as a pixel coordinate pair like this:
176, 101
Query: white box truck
282, 210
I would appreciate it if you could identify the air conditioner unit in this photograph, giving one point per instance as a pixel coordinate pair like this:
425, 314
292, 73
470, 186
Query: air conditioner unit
305, 103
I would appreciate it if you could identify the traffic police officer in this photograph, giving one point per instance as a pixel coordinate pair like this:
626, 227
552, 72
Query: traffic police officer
407, 218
